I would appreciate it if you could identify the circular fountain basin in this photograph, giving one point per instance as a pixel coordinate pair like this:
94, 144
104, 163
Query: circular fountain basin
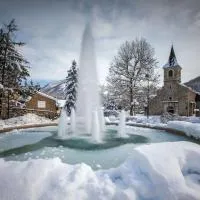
43, 143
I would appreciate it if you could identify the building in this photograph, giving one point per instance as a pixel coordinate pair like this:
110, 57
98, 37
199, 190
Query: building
174, 97
43, 104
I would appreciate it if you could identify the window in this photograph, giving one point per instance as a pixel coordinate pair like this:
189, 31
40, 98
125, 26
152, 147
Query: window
170, 73
41, 104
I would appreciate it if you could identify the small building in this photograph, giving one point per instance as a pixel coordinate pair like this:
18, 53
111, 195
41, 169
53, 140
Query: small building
174, 97
43, 103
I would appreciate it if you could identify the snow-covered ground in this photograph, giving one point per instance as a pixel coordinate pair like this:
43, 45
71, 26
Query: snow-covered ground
27, 119
159, 171
141, 119
190, 129
189, 125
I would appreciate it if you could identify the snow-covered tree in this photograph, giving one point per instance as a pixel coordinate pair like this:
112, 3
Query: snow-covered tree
106, 99
128, 72
71, 87
13, 66
28, 89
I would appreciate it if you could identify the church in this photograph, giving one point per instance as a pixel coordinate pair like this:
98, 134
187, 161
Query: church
174, 97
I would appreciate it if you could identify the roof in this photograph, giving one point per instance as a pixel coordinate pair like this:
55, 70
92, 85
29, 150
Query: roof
46, 95
172, 61
189, 88
194, 84
61, 103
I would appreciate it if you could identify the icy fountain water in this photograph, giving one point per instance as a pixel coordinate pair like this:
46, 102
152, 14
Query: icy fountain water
88, 99
62, 125
89, 116
95, 127
122, 124
73, 121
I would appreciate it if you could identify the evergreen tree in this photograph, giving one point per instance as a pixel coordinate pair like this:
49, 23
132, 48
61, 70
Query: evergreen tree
13, 66
28, 89
71, 87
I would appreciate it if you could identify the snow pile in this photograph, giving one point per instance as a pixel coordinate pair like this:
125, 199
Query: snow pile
158, 171
24, 120
190, 129
191, 119
141, 119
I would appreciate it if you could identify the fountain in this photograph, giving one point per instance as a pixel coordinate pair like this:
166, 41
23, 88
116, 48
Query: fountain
86, 139
89, 116
88, 99
73, 121
62, 124
95, 128
101, 120
122, 125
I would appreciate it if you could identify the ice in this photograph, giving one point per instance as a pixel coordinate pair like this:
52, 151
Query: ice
62, 124
159, 171
95, 127
122, 125
73, 121
88, 99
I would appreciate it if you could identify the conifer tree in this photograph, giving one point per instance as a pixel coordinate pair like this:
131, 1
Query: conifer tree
71, 87
13, 66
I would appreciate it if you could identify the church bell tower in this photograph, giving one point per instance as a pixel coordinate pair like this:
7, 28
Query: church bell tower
172, 70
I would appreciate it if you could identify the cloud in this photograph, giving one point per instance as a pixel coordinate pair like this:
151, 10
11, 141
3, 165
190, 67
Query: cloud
53, 30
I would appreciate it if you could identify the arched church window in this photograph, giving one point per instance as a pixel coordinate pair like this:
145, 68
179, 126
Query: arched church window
170, 73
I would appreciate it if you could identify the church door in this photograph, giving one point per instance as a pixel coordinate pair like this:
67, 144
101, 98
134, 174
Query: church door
170, 109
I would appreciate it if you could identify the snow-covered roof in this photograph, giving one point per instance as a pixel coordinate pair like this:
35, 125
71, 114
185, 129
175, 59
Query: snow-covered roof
61, 103
175, 64
189, 88
172, 61
46, 95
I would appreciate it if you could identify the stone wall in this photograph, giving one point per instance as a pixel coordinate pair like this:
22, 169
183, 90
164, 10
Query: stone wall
173, 93
33, 103
176, 74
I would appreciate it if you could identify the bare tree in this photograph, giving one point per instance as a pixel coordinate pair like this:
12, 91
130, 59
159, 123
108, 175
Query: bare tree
129, 69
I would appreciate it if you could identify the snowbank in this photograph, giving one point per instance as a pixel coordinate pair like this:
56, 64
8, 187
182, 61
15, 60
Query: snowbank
190, 129
158, 171
24, 120
144, 120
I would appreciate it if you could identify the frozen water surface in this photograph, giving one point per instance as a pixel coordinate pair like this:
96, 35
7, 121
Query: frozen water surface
111, 152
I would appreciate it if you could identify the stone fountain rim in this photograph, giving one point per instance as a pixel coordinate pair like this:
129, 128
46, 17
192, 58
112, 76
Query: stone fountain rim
26, 126
164, 128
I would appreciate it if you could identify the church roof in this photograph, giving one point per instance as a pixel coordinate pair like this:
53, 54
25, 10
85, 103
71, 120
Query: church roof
190, 88
172, 61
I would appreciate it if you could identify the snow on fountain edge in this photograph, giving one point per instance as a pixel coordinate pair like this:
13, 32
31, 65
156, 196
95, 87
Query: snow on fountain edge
168, 170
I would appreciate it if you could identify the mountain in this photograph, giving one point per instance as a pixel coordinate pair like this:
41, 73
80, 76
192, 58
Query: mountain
55, 89
194, 84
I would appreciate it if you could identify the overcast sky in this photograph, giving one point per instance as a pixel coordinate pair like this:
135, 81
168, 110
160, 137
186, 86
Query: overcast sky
52, 30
